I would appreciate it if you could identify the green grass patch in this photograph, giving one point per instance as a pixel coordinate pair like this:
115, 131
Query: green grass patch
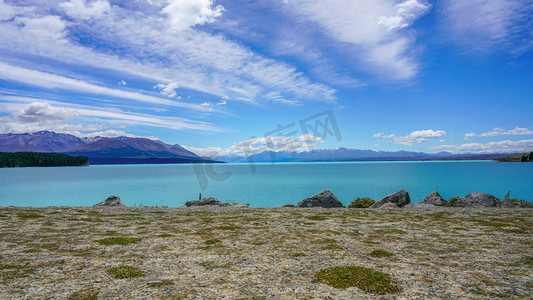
331, 246
84, 295
212, 266
125, 272
368, 280
212, 241
380, 253
165, 235
119, 240
317, 218
480, 291
528, 260
165, 282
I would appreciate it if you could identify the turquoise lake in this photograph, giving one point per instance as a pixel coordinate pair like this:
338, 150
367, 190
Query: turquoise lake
261, 184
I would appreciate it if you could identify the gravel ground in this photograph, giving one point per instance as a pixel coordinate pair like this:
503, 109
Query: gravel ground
263, 253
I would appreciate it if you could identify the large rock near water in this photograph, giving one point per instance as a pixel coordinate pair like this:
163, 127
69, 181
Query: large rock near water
111, 201
401, 199
322, 199
484, 200
434, 199
211, 201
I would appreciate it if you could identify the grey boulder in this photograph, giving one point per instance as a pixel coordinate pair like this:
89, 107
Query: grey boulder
204, 202
434, 199
401, 199
484, 200
111, 201
323, 199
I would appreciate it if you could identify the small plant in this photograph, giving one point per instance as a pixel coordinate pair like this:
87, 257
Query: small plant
364, 202
317, 218
523, 203
165, 235
298, 254
380, 253
331, 246
119, 240
161, 283
288, 205
368, 280
212, 241
125, 272
452, 201
84, 295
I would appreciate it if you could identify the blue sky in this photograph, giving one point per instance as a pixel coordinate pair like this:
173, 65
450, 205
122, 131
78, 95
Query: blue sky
217, 76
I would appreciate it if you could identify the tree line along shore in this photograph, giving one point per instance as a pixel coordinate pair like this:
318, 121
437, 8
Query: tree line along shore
40, 159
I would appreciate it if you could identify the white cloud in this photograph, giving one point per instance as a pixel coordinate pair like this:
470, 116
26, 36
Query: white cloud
167, 89
47, 80
183, 14
420, 136
46, 29
223, 102
500, 131
376, 29
6, 11
491, 147
44, 113
122, 83
81, 9
405, 13
257, 145
38, 116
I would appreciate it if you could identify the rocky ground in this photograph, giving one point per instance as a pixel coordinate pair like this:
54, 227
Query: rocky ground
262, 253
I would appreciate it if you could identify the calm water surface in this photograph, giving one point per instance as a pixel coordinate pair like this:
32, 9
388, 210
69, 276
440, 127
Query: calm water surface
268, 185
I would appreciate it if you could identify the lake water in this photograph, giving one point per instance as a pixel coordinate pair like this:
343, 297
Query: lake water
260, 185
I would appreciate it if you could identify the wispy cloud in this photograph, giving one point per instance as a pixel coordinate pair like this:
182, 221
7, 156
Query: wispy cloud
500, 131
420, 136
137, 40
489, 25
376, 30
51, 81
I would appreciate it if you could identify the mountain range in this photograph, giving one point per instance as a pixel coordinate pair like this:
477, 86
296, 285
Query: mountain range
345, 154
100, 150
122, 150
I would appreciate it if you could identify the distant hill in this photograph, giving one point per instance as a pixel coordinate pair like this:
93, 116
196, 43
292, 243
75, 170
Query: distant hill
520, 157
131, 148
345, 154
42, 141
100, 150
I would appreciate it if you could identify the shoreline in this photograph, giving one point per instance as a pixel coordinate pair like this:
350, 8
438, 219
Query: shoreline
263, 253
